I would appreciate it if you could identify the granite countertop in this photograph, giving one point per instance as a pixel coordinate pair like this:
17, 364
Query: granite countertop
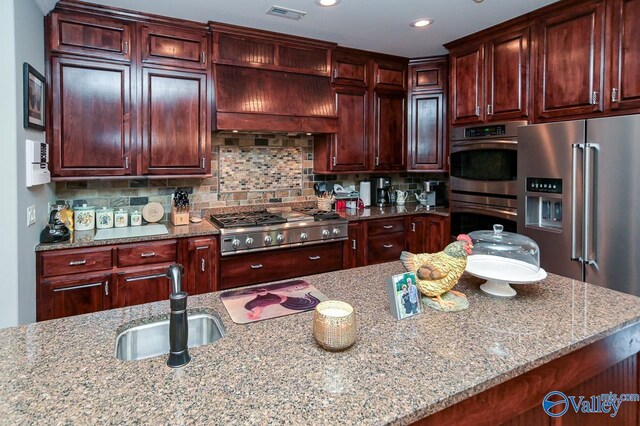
86, 238
374, 212
273, 372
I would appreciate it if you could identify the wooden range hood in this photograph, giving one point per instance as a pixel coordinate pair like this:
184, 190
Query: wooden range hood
269, 82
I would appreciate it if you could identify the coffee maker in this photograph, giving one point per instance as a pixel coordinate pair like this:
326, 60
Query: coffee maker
380, 187
55, 231
435, 191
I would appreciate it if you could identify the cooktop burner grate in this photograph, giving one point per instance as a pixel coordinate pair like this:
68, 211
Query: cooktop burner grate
240, 220
318, 214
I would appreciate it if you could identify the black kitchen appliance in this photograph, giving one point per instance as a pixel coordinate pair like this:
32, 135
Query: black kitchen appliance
55, 231
380, 190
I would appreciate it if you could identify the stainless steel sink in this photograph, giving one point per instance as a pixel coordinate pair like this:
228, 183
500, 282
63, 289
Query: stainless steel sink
149, 340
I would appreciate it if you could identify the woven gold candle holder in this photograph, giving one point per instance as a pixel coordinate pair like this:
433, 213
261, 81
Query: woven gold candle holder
334, 325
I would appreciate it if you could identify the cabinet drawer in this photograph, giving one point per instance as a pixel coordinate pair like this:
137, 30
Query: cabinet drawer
145, 253
99, 37
76, 261
248, 269
385, 248
176, 47
379, 227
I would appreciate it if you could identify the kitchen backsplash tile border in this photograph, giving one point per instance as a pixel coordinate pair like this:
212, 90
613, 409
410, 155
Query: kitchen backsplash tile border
209, 193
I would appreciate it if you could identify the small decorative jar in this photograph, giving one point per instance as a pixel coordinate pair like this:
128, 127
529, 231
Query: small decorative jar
334, 325
121, 218
84, 218
136, 218
104, 218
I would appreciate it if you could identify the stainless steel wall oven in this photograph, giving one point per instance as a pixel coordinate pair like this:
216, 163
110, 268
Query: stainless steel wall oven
484, 174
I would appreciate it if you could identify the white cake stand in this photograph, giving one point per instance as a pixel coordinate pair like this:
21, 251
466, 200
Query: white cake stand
500, 272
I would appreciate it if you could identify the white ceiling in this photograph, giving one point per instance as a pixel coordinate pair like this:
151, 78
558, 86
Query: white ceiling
376, 25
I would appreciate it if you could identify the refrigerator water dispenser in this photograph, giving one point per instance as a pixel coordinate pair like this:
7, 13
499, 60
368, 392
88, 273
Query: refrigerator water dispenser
544, 211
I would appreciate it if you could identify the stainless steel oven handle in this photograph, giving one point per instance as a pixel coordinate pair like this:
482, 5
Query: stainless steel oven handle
502, 213
574, 199
497, 142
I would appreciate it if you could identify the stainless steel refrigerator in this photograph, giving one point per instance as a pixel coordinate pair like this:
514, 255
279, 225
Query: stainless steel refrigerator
579, 198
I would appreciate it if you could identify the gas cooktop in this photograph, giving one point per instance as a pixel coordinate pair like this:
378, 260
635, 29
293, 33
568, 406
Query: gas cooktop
242, 220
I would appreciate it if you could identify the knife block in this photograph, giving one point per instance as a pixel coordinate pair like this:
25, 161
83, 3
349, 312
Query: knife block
179, 217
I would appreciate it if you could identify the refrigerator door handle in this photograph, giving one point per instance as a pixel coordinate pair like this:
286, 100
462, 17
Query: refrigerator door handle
574, 202
589, 214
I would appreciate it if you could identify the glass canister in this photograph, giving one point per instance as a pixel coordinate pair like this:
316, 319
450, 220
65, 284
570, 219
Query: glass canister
121, 218
104, 218
84, 218
136, 218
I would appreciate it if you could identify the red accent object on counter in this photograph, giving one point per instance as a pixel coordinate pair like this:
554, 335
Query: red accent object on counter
341, 205
360, 204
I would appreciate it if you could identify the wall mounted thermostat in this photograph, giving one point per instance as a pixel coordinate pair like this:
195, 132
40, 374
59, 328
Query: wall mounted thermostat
37, 163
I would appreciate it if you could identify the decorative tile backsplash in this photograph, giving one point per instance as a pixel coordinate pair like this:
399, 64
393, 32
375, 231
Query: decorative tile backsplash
246, 169
259, 168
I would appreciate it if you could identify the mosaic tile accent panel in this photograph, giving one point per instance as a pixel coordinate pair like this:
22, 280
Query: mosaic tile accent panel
257, 168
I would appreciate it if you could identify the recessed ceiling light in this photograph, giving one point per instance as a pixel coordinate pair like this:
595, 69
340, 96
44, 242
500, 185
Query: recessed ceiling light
327, 3
421, 23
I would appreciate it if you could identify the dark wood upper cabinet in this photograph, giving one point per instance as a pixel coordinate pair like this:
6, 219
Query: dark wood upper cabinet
390, 74
467, 81
428, 76
570, 62
174, 46
175, 125
427, 129
350, 145
350, 68
95, 36
507, 70
389, 135
623, 88
91, 110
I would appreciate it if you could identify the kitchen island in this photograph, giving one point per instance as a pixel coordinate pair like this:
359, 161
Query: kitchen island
273, 372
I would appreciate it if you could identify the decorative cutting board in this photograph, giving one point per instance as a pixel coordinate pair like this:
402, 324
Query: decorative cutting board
271, 301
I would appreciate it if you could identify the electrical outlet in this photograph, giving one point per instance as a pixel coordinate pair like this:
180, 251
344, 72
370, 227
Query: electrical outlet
31, 215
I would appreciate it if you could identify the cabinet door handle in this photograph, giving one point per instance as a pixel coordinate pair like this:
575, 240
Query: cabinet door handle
145, 277
335, 72
125, 47
478, 109
377, 161
314, 257
203, 162
594, 98
78, 262
353, 244
204, 57
334, 161
149, 254
387, 245
614, 95
202, 265
489, 109
413, 226
106, 288
258, 266
388, 226
126, 162
76, 287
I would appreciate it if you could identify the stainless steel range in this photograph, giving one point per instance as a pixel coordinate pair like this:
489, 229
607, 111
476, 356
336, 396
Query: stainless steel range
257, 231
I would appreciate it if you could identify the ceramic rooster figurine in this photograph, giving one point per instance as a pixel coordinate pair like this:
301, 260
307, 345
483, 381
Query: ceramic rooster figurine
438, 273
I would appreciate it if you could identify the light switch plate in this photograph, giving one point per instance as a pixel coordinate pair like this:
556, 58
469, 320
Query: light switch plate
31, 215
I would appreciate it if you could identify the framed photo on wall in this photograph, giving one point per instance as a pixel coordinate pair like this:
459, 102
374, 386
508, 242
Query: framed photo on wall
34, 98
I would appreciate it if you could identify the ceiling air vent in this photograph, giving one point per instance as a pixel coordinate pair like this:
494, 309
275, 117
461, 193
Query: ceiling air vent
284, 12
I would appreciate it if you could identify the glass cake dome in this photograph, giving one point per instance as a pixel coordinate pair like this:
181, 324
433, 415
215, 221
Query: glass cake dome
502, 258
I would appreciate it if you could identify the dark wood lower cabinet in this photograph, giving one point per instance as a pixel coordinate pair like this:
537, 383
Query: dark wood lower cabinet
384, 248
66, 296
142, 285
201, 265
437, 233
416, 232
353, 247
245, 269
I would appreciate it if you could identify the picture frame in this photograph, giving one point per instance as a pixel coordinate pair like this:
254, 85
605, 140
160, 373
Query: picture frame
404, 296
34, 97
